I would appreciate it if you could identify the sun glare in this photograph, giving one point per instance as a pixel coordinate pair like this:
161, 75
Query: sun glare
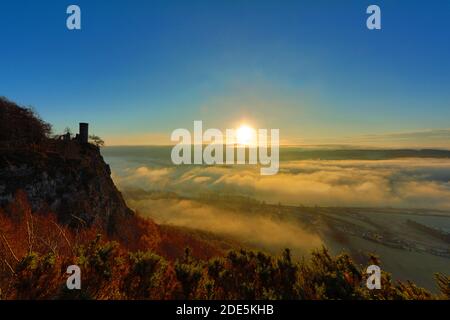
245, 135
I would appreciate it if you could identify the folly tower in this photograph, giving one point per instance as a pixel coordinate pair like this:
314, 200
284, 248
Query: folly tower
84, 132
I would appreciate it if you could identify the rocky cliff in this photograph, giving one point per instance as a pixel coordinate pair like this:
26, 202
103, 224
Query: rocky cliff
67, 178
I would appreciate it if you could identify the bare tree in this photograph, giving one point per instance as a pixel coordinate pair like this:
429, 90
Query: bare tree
96, 140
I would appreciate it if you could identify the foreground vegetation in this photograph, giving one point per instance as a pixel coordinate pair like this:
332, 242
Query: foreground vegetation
35, 251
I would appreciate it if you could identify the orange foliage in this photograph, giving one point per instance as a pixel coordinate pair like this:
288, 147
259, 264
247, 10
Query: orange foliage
35, 251
141, 260
174, 242
136, 233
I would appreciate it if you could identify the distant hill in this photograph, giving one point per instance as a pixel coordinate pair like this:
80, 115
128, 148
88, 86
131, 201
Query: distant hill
297, 153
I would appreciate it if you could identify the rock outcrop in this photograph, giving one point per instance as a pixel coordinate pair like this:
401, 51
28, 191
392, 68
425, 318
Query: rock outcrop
67, 178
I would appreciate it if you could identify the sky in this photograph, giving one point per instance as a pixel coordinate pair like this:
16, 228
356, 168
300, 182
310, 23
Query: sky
137, 70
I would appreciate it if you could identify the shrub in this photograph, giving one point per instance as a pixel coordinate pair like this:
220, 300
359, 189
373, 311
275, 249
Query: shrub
21, 125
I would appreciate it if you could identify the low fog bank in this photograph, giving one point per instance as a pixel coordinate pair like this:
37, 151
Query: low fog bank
251, 229
179, 195
404, 183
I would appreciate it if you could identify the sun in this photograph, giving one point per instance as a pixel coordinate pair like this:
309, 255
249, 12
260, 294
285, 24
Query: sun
245, 135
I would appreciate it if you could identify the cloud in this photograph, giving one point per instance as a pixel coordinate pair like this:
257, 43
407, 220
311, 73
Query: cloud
258, 230
410, 183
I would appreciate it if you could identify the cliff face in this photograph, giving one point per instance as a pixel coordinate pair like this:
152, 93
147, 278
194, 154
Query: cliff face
65, 177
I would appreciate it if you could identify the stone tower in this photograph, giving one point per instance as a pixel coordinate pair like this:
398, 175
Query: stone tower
84, 132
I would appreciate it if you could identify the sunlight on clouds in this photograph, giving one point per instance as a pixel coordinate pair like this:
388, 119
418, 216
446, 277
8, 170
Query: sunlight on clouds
400, 183
273, 235
410, 183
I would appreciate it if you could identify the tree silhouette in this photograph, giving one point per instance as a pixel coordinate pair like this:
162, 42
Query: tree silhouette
97, 140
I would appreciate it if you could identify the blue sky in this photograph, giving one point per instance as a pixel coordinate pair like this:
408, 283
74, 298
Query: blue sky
139, 69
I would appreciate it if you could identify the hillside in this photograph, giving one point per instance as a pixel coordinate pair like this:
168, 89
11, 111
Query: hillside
71, 181
59, 207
